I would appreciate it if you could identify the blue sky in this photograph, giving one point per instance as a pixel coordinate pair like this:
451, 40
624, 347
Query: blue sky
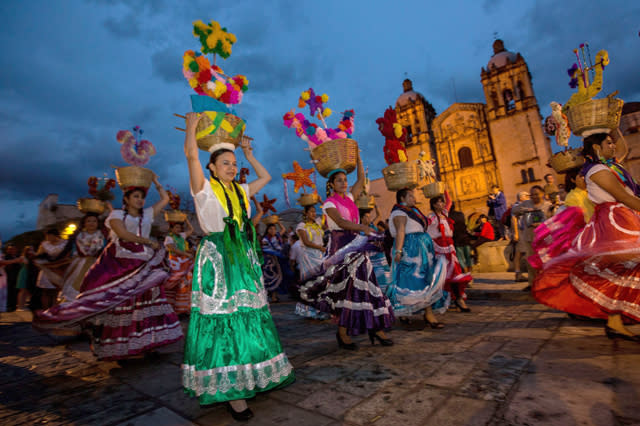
73, 73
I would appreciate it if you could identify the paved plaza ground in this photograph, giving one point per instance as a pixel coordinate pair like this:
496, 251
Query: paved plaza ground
508, 362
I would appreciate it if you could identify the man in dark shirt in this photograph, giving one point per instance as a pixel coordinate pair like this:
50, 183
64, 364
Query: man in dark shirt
461, 238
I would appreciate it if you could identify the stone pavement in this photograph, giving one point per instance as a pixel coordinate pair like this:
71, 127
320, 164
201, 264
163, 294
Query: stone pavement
509, 362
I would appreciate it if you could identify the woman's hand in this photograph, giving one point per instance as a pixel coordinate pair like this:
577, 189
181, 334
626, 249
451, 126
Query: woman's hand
245, 144
153, 244
192, 121
398, 256
366, 229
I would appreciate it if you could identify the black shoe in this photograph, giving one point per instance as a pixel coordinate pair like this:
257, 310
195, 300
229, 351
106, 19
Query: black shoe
349, 346
613, 334
241, 416
384, 342
437, 325
459, 306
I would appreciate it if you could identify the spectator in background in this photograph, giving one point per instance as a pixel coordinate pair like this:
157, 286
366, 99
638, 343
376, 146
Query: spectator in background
12, 267
532, 212
550, 187
563, 191
461, 239
497, 207
517, 227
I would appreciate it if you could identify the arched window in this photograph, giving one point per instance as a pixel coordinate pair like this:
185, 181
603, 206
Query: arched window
521, 93
532, 177
465, 157
494, 100
509, 103
523, 174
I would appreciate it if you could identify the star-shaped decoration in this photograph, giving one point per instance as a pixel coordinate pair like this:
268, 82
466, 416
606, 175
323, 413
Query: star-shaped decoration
267, 204
300, 177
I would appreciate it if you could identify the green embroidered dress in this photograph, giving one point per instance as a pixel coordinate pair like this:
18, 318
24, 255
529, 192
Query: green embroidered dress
232, 348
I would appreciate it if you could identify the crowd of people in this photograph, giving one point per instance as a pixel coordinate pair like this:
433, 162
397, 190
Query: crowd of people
126, 290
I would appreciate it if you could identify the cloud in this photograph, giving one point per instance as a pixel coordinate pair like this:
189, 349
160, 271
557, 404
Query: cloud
125, 27
167, 64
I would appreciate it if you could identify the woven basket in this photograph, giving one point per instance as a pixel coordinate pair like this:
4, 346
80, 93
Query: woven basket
433, 189
208, 135
335, 154
365, 202
268, 220
594, 114
567, 160
401, 175
90, 205
308, 199
175, 216
133, 176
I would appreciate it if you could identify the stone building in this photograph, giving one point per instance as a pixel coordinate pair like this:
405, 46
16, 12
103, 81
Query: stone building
476, 145
630, 128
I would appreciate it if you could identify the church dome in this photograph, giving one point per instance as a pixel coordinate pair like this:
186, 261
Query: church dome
501, 56
409, 95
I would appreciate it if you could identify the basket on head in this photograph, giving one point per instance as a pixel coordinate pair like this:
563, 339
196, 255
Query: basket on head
401, 175
308, 199
175, 216
365, 202
594, 115
218, 129
567, 160
91, 205
133, 176
434, 189
270, 220
335, 154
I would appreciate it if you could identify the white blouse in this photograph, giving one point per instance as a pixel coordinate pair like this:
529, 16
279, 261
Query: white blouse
596, 193
411, 226
330, 205
210, 211
316, 232
131, 224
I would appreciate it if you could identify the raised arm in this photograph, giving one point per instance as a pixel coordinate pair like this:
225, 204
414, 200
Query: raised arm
622, 149
343, 223
164, 197
259, 212
263, 175
357, 187
196, 175
607, 181
189, 230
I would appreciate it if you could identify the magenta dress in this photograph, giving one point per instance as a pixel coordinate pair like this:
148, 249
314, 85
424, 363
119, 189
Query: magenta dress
121, 297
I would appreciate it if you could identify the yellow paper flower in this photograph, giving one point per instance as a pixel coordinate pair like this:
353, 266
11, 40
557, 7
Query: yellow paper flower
325, 98
219, 89
327, 112
305, 96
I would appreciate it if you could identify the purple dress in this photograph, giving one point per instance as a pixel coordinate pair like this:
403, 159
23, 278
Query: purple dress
121, 297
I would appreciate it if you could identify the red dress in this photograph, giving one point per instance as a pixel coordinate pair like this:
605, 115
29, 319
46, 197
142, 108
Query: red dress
599, 274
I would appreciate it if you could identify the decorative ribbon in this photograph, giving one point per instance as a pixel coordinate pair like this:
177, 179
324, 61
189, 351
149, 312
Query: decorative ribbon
218, 120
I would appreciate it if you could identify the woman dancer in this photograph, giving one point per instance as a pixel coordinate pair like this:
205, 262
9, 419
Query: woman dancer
345, 285
232, 347
310, 234
121, 296
599, 275
53, 261
378, 259
88, 244
273, 267
418, 274
178, 285
440, 229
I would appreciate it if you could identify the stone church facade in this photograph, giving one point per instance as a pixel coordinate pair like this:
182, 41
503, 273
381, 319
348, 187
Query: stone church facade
477, 145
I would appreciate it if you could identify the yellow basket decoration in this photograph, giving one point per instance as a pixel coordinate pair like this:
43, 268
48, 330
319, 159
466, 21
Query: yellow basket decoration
133, 176
91, 205
594, 115
308, 199
365, 201
175, 216
401, 175
335, 154
434, 189
219, 128
567, 160
270, 220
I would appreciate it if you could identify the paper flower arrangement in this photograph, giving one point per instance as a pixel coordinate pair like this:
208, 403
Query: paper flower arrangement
310, 132
100, 188
267, 204
300, 177
580, 72
395, 135
210, 80
214, 39
174, 199
135, 150
207, 79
